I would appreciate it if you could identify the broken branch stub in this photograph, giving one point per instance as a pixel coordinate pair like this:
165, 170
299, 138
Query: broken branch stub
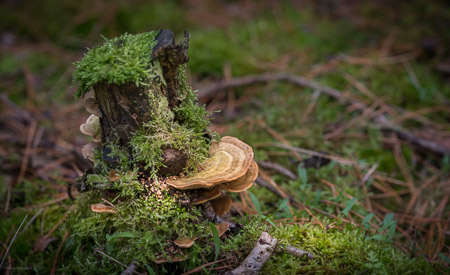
259, 255
299, 253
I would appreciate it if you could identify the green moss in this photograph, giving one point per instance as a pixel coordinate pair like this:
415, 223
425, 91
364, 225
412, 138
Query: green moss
148, 144
142, 230
337, 251
183, 129
128, 59
119, 60
189, 113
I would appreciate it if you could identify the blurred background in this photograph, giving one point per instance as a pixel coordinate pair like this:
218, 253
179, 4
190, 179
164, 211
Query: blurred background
389, 155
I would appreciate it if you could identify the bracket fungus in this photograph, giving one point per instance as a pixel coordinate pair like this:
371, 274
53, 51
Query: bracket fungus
101, 208
169, 259
222, 204
229, 168
229, 160
222, 228
92, 128
243, 183
88, 150
92, 107
207, 195
185, 242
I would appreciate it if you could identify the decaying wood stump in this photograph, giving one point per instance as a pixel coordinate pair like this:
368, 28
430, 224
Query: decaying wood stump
126, 108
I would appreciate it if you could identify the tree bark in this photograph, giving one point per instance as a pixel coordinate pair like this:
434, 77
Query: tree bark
125, 108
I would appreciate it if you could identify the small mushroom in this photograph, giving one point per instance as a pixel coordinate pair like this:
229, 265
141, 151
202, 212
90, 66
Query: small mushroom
222, 228
243, 183
113, 176
230, 160
92, 107
171, 259
88, 150
101, 208
185, 242
207, 195
222, 204
92, 128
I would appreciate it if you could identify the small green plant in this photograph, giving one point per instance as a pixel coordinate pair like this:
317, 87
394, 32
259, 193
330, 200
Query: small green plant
216, 240
282, 209
302, 174
388, 223
348, 206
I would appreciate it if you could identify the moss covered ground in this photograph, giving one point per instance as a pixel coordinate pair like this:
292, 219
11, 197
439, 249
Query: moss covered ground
378, 53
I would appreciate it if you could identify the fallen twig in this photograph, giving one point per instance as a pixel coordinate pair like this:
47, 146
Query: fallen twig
259, 180
26, 154
297, 252
43, 241
304, 82
200, 268
32, 220
258, 256
131, 268
55, 260
10, 244
335, 158
116, 261
382, 60
279, 168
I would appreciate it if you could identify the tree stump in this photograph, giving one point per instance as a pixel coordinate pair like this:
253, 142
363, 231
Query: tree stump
149, 133
153, 93
126, 107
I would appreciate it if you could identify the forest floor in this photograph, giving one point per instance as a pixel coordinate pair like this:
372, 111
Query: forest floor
347, 107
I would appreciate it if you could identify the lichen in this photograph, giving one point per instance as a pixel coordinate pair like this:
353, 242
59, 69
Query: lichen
119, 60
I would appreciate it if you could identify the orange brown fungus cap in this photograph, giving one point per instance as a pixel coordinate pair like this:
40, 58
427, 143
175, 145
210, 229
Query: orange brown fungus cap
243, 183
170, 259
229, 160
222, 204
222, 228
101, 208
184, 242
207, 195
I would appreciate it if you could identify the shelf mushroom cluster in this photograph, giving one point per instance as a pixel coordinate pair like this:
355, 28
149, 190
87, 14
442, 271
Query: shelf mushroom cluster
91, 128
230, 168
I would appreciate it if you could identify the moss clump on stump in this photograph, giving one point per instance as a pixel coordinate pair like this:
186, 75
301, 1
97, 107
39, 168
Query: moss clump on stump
147, 107
121, 60
151, 127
